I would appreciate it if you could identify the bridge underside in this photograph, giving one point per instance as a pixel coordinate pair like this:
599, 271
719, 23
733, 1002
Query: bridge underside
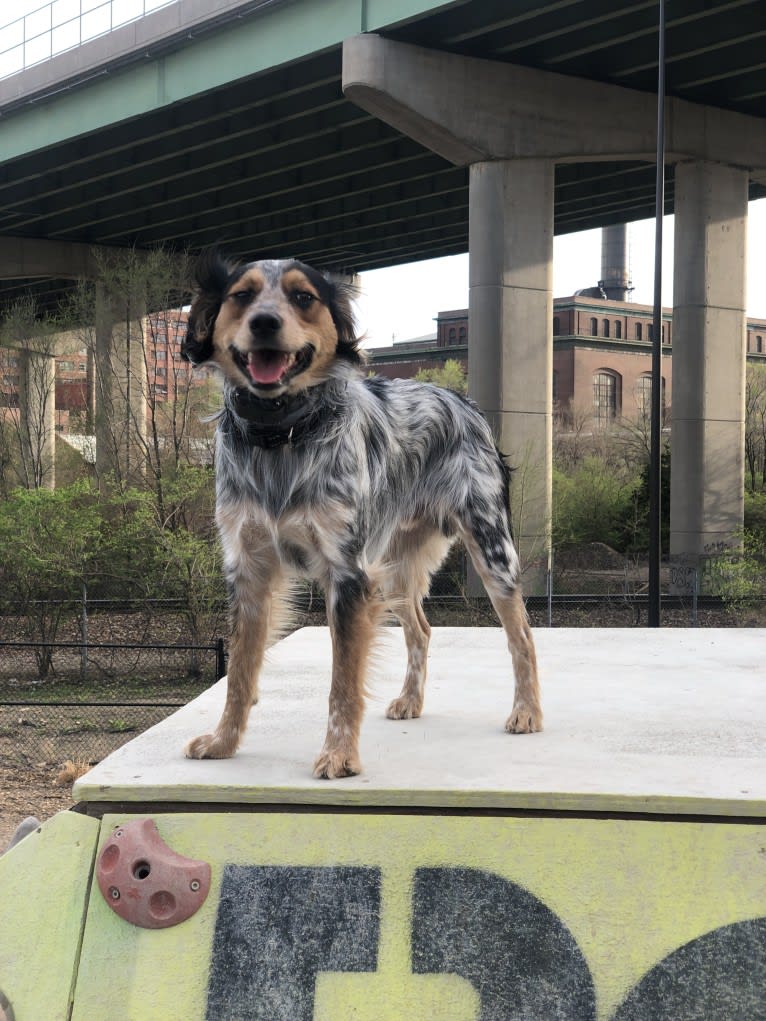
187, 130
360, 134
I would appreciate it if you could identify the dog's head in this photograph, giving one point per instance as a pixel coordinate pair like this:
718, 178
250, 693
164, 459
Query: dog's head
273, 326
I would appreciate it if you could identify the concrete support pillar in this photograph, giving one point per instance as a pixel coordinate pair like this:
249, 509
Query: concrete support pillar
510, 357
709, 347
37, 418
121, 386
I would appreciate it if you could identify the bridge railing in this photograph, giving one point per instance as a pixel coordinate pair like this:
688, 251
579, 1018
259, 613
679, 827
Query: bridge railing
64, 25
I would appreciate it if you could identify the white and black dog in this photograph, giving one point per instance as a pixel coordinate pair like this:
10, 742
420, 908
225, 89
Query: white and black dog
359, 482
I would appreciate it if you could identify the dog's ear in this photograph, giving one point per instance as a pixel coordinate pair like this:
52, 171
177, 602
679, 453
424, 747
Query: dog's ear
212, 274
341, 304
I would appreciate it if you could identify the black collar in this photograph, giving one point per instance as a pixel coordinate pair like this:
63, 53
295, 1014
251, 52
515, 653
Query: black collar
273, 422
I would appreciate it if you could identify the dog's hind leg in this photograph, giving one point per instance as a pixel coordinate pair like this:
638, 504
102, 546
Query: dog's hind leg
352, 614
254, 578
415, 554
417, 634
497, 564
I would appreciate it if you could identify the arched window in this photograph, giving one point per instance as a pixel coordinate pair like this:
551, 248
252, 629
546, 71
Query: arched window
556, 326
606, 328
644, 397
555, 387
639, 331
462, 334
618, 330
759, 345
452, 336
606, 397
594, 327
650, 332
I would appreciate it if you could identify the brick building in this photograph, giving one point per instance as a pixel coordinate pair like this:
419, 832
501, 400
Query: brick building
162, 335
601, 354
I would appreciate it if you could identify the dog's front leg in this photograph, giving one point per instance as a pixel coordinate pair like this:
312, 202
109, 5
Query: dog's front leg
253, 576
350, 614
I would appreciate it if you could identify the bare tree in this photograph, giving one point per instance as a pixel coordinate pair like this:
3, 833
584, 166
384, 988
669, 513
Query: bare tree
146, 405
755, 426
30, 339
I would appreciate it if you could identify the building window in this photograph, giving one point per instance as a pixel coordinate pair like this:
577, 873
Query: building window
639, 331
555, 387
462, 334
594, 327
556, 326
759, 345
644, 397
605, 395
452, 335
618, 330
606, 327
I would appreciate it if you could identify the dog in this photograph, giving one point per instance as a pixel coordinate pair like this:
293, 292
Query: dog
359, 482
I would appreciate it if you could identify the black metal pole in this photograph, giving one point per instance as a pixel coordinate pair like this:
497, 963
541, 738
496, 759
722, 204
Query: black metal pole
655, 445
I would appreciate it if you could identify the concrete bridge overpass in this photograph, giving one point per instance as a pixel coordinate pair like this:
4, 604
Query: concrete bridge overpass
364, 133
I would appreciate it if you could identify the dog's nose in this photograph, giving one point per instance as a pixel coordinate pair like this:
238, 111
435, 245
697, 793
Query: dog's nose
265, 322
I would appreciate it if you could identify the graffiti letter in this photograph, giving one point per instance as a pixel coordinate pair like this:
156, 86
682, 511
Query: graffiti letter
519, 956
277, 927
720, 977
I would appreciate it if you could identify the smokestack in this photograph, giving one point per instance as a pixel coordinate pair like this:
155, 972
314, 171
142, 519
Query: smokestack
615, 276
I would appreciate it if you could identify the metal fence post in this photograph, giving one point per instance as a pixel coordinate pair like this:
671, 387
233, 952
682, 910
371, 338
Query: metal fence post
220, 658
549, 589
84, 633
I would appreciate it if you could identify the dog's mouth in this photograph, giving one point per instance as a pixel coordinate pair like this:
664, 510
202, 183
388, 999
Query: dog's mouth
271, 367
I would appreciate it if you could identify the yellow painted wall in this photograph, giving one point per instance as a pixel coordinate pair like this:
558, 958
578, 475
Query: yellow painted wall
44, 884
595, 904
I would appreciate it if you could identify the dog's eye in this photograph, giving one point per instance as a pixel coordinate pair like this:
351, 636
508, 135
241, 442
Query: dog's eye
241, 297
302, 298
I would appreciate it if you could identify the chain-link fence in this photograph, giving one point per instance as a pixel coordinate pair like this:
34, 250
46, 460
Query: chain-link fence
92, 698
593, 586
79, 677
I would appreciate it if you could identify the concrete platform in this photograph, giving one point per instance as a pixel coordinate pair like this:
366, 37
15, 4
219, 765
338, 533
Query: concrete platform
667, 722
611, 868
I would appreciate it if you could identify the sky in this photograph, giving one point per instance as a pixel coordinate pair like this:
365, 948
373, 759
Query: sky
402, 302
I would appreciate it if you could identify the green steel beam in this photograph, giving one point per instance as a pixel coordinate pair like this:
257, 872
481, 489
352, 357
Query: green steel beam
278, 35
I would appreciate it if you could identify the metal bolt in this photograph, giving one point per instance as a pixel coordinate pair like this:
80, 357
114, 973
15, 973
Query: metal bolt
194, 885
114, 893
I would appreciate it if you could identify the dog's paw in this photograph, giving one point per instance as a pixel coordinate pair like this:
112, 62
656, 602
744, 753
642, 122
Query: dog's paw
331, 765
404, 708
209, 746
524, 720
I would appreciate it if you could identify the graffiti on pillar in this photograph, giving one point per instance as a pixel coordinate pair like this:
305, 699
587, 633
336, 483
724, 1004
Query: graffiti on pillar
278, 927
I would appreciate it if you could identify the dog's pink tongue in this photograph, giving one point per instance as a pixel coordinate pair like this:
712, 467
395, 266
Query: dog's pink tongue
267, 366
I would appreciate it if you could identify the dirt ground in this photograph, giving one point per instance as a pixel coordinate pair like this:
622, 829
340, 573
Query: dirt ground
27, 791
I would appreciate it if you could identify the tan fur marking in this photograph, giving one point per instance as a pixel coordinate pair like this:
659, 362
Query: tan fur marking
258, 577
526, 715
350, 648
313, 325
